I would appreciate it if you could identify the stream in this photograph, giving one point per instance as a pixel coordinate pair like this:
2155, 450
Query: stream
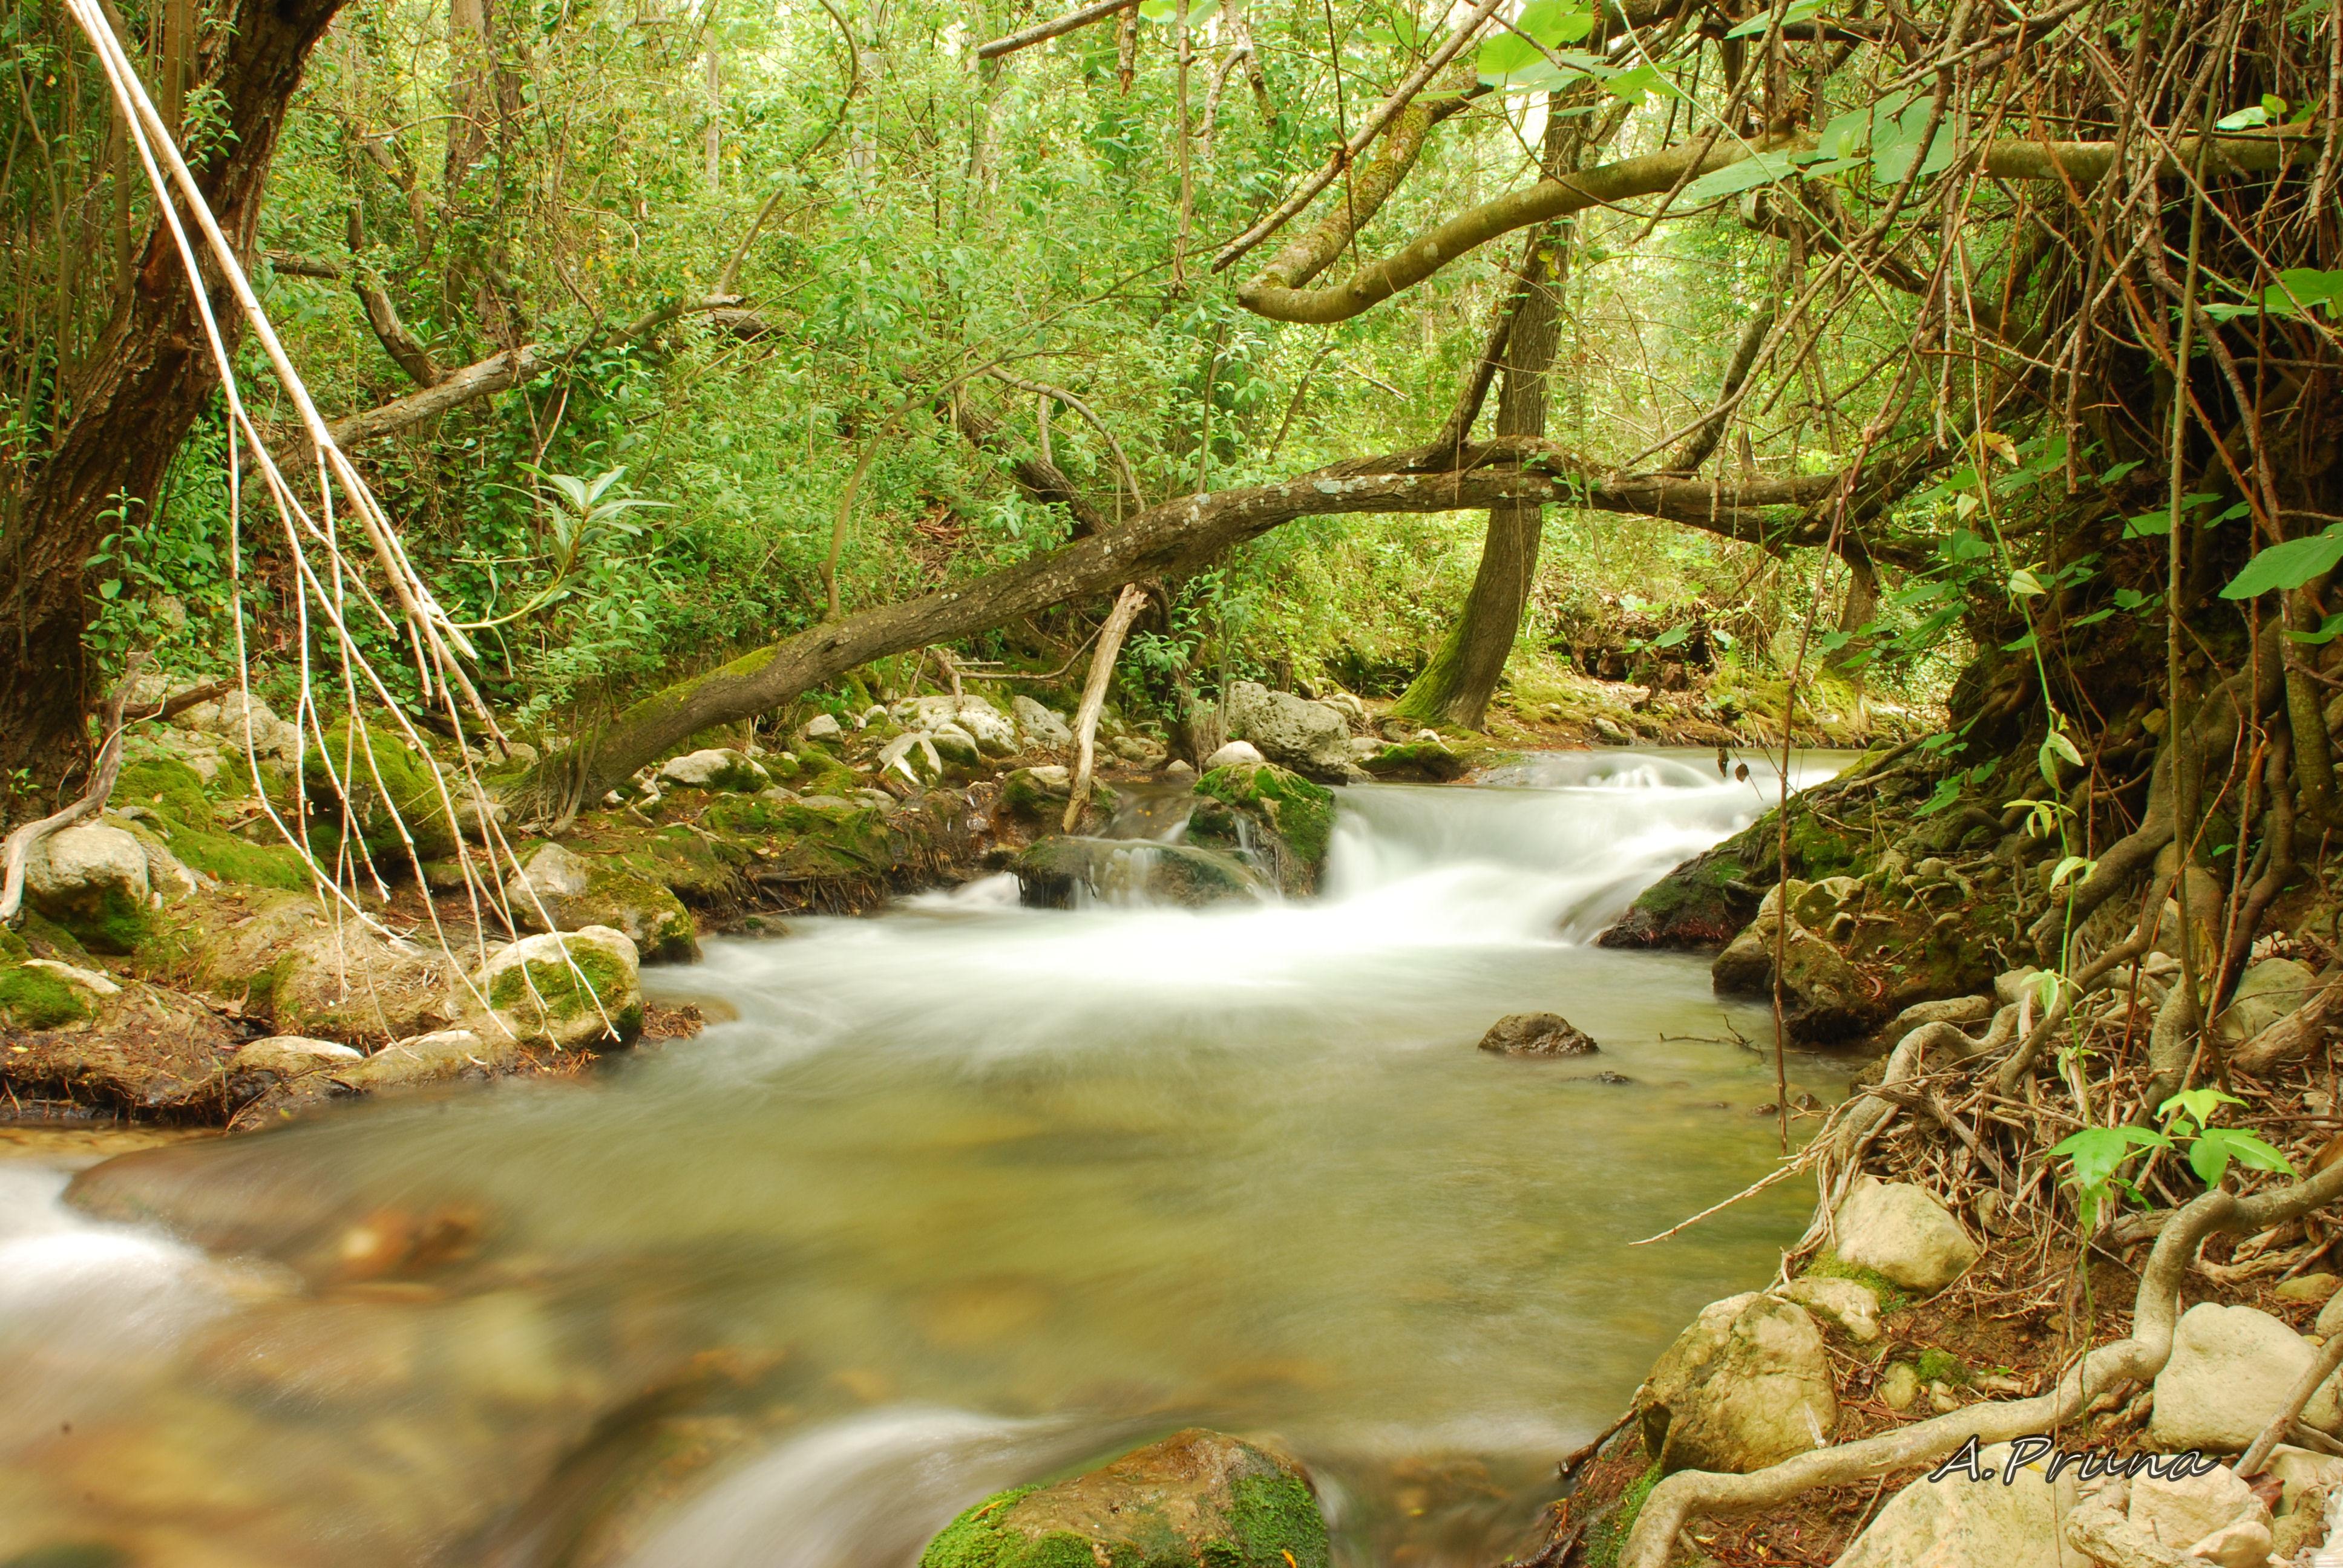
959, 1196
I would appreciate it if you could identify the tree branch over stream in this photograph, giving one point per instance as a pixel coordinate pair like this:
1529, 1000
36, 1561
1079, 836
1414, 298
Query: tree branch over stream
1180, 536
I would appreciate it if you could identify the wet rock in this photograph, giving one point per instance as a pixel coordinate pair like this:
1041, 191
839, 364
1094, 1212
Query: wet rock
435, 1058
1042, 729
1959, 1522
91, 878
1901, 1232
580, 989
1196, 1500
1703, 903
1822, 997
1747, 1385
1847, 1305
718, 768
1537, 1034
1309, 737
2230, 1371
1236, 753
1060, 873
2266, 993
573, 892
1277, 817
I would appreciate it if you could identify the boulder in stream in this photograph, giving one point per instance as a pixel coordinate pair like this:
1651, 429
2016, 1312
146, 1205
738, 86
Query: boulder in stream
1537, 1034
1198, 1498
1059, 873
1824, 998
568, 990
1277, 818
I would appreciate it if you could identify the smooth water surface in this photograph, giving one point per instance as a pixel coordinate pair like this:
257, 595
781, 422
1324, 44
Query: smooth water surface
960, 1196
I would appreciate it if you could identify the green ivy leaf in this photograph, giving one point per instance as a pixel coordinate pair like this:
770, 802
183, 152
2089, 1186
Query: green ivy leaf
1797, 11
2289, 566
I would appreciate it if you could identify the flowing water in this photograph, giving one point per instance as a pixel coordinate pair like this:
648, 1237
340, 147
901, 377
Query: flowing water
954, 1197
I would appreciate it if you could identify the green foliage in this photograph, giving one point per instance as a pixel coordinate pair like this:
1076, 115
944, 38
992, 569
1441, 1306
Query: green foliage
2096, 1156
1943, 1366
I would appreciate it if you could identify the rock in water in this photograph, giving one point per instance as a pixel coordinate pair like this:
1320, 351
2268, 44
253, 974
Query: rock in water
2230, 1371
1747, 1385
1261, 810
1822, 997
1196, 1500
1960, 1522
1537, 1034
1236, 753
582, 989
1900, 1232
1309, 737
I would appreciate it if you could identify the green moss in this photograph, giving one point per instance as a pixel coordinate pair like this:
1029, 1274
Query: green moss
47, 939
1830, 1266
975, 1539
116, 925
234, 860
170, 787
13, 946
1275, 1516
37, 999
381, 773
1941, 1366
1607, 1536
560, 990
1301, 813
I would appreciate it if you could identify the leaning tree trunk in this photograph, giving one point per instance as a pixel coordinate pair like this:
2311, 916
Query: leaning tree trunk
1456, 686
135, 401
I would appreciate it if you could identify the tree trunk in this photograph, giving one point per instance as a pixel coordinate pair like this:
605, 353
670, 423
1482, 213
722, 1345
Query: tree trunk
132, 404
1456, 686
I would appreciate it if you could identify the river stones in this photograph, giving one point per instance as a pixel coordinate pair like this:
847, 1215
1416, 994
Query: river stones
1312, 738
2230, 1371
989, 731
1537, 1034
1040, 729
1057, 873
1747, 1385
1901, 1232
1847, 1305
1197, 1498
1822, 997
573, 892
577, 989
91, 878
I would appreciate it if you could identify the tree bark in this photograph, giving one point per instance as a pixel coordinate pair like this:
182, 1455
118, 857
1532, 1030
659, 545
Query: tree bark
1456, 686
134, 401
1169, 538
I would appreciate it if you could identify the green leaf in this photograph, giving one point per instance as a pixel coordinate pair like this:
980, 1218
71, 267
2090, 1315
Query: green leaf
1797, 11
2329, 631
2289, 566
2244, 119
2068, 867
2023, 582
2148, 525
2210, 1155
2095, 1154
1893, 152
1673, 636
1199, 11
2119, 471
1757, 169
2197, 1105
1508, 56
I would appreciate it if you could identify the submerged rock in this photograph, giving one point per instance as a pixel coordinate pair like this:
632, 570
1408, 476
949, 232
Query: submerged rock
1747, 1385
1196, 1500
1537, 1034
1312, 738
1057, 873
1901, 1232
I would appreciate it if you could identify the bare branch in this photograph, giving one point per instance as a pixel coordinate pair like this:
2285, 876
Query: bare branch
1043, 32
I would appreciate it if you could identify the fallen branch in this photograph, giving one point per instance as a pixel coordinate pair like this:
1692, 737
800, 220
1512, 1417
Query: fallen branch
1058, 26
1127, 605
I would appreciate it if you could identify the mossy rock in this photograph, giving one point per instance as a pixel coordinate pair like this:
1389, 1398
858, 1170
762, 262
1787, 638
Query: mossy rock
1430, 759
1289, 815
1196, 1500
169, 786
593, 996
1057, 873
34, 998
381, 774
